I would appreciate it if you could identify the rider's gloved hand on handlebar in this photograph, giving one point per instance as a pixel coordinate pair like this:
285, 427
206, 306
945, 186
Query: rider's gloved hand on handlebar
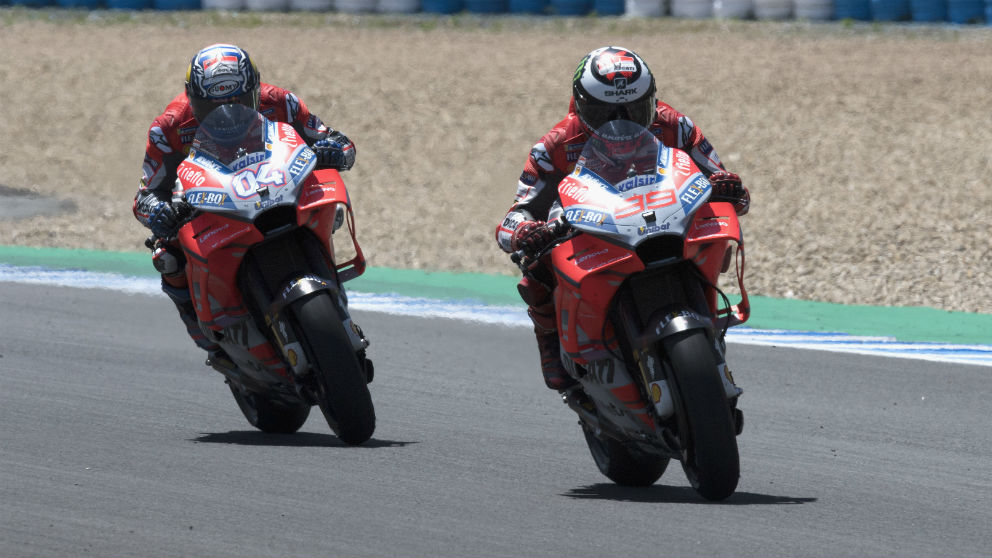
531, 237
166, 218
334, 152
727, 186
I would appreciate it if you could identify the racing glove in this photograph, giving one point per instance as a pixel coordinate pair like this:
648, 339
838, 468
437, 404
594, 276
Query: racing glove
531, 237
334, 152
166, 218
727, 187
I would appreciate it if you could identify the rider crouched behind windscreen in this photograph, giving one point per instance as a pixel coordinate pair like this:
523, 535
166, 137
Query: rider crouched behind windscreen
610, 83
219, 74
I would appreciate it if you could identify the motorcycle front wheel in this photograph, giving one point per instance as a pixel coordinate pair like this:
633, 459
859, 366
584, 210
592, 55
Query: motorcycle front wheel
339, 378
710, 457
268, 415
620, 465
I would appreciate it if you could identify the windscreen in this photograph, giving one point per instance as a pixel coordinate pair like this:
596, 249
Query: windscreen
230, 132
622, 154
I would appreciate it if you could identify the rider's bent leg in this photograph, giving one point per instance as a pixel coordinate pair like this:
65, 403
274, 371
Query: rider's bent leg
541, 309
176, 287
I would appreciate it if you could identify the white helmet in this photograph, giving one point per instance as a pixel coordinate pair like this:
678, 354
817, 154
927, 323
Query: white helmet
613, 83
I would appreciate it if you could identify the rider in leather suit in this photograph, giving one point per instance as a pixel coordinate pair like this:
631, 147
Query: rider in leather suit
610, 83
217, 75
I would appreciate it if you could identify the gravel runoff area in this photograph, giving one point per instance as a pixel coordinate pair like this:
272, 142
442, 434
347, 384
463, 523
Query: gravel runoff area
867, 147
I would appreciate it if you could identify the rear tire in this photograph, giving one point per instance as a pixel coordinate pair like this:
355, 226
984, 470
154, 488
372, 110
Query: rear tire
339, 378
268, 415
620, 465
708, 433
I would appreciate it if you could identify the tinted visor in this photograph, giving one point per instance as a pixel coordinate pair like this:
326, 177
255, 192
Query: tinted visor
596, 113
203, 107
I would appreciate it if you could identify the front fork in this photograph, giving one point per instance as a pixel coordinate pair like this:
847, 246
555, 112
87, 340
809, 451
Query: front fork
264, 345
283, 333
654, 370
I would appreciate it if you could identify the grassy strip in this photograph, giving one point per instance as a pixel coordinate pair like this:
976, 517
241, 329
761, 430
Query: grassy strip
908, 324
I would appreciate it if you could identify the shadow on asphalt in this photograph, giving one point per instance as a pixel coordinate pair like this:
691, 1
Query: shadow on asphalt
300, 439
675, 495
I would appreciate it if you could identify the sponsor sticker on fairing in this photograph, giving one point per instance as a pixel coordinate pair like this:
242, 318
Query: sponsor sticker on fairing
247, 161
585, 216
693, 193
634, 182
709, 227
302, 164
211, 199
191, 176
572, 191
683, 164
651, 229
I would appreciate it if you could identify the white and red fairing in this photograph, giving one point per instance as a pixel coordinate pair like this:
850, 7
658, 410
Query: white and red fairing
229, 197
668, 196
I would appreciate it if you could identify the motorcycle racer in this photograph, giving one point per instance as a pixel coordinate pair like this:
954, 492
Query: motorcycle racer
610, 83
218, 74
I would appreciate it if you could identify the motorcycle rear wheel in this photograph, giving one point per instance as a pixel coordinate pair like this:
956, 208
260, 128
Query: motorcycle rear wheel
710, 460
341, 386
267, 415
620, 465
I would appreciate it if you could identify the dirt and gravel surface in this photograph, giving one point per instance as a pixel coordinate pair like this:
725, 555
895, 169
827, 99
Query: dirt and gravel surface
867, 148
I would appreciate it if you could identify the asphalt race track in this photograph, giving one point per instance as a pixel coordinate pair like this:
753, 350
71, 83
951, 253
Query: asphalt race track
116, 441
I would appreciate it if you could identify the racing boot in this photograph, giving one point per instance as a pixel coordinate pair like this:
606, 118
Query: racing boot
541, 309
554, 372
175, 287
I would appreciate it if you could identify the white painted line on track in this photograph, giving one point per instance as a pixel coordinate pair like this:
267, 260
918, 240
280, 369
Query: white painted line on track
516, 316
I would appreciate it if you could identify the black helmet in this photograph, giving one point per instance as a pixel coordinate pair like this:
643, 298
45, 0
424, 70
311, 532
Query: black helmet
613, 83
221, 74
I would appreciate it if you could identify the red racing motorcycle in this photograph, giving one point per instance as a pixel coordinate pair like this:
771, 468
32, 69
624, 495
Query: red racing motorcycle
260, 259
639, 248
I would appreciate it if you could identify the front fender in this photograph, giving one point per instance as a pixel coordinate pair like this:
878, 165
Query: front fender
665, 324
300, 288
311, 285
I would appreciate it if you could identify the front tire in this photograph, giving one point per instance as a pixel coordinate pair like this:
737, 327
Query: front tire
620, 465
340, 384
707, 430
